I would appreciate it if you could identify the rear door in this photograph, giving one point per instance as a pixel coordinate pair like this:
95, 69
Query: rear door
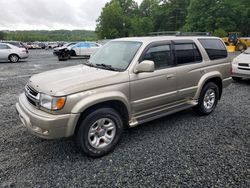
189, 67
85, 49
93, 48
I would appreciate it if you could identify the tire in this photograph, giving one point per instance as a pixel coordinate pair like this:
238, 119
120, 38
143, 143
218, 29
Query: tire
208, 99
99, 132
241, 47
13, 58
237, 79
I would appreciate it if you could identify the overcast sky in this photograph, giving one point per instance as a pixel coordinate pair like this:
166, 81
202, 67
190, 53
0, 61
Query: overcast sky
50, 14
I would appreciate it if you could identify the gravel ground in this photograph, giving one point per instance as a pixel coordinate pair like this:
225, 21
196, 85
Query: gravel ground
181, 150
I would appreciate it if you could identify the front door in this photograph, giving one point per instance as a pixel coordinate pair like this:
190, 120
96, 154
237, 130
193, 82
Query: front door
150, 91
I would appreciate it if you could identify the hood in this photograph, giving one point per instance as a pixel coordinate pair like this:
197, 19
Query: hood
60, 48
74, 79
243, 58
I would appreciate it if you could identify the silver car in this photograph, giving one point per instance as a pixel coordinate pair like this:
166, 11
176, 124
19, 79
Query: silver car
241, 66
12, 53
85, 49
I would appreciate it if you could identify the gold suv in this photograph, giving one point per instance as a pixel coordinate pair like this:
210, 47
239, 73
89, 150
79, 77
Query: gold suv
127, 82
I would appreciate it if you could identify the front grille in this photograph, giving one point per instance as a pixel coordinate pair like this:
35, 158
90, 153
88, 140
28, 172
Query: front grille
243, 65
32, 95
244, 69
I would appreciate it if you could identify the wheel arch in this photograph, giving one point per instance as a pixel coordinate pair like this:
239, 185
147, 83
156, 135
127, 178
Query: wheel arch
13, 54
115, 104
212, 77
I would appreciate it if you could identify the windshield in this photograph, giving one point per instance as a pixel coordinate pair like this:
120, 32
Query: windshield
116, 54
247, 51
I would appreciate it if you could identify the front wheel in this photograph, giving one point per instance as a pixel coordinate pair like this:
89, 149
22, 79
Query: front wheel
208, 99
99, 132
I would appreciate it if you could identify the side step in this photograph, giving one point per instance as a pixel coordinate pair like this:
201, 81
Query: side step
161, 113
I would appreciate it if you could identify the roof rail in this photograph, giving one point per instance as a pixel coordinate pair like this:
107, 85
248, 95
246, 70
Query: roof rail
178, 33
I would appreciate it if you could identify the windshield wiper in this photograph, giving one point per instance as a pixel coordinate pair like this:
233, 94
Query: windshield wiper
88, 64
108, 67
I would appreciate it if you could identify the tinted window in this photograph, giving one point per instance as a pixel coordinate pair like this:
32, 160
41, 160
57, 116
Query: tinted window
187, 53
214, 48
4, 46
160, 54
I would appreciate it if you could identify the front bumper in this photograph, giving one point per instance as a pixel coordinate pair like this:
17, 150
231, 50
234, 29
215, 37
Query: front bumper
237, 72
43, 124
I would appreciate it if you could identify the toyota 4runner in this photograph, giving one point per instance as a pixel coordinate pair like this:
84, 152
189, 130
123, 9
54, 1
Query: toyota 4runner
128, 82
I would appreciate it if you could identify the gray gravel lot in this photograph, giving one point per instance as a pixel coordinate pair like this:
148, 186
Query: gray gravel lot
181, 150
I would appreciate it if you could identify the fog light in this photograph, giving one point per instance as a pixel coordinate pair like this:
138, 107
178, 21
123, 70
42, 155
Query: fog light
46, 132
40, 131
37, 129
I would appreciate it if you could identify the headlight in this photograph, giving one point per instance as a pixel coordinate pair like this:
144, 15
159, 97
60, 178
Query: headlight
235, 61
52, 103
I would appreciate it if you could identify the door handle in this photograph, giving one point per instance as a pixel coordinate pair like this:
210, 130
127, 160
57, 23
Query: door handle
170, 76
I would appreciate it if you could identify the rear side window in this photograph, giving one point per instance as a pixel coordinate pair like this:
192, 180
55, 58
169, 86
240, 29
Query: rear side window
4, 46
214, 48
160, 54
187, 53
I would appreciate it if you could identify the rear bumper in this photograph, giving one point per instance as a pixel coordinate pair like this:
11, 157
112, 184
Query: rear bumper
23, 55
45, 125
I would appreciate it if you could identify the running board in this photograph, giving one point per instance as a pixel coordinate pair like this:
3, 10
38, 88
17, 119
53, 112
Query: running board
161, 113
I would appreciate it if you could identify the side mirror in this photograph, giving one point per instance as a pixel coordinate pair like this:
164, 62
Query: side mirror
145, 66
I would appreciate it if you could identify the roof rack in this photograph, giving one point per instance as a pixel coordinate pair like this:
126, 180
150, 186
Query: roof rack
178, 33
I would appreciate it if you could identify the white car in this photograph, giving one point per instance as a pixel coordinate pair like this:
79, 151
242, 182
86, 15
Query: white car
84, 49
241, 66
12, 53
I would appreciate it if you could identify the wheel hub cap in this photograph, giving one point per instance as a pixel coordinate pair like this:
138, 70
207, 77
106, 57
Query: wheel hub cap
209, 99
101, 133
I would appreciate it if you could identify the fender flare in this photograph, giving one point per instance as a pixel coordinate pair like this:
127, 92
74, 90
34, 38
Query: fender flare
204, 79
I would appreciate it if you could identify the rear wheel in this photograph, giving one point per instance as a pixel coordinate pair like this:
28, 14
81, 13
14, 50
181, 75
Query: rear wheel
13, 58
99, 132
208, 99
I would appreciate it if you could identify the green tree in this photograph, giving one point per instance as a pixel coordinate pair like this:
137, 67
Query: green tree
212, 15
116, 19
171, 15
2, 35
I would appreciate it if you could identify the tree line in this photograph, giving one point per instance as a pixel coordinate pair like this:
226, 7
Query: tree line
57, 35
123, 18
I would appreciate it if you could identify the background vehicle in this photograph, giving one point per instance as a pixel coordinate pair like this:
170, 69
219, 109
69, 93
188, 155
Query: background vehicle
12, 53
241, 66
235, 42
52, 45
127, 82
85, 49
16, 43
57, 49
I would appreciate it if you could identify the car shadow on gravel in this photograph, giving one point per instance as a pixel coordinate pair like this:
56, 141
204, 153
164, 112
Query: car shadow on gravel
243, 82
7, 62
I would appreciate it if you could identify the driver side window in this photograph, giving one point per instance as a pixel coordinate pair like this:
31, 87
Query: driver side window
160, 54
